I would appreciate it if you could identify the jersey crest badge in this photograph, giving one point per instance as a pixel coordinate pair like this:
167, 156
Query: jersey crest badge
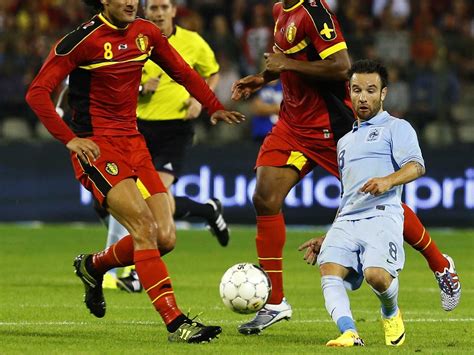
112, 169
142, 42
291, 32
374, 135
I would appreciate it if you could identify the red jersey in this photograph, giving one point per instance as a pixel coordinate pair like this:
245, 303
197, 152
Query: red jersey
311, 109
104, 64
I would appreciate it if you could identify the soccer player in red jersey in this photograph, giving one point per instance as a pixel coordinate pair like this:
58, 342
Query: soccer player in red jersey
311, 60
104, 59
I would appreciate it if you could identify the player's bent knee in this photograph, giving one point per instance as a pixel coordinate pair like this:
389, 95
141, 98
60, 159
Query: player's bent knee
166, 242
266, 204
378, 278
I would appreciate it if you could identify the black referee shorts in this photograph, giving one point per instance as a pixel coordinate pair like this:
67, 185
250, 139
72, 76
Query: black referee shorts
167, 142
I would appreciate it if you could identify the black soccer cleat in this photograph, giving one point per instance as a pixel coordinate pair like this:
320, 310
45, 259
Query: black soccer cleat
194, 332
130, 283
93, 296
217, 225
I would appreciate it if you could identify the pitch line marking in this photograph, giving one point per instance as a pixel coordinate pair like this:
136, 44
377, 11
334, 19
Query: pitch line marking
226, 321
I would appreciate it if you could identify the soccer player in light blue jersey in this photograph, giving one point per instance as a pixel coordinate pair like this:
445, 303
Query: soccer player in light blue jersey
375, 159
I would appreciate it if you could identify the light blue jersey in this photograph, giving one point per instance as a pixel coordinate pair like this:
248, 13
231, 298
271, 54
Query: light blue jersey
376, 148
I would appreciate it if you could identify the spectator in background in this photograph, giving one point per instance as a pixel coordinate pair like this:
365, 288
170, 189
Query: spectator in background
265, 107
392, 41
424, 46
457, 25
398, 102
257, 40
221, 39
228, 74
357, 19
399, 9
423, 105
448, 84
192, 21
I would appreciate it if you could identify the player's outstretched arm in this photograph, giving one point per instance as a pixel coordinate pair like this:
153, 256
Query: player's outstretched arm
229, 117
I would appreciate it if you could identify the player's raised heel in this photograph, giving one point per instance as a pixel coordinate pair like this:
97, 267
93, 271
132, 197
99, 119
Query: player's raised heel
194, 332
217, 225
93, 295
268, 315
449, 285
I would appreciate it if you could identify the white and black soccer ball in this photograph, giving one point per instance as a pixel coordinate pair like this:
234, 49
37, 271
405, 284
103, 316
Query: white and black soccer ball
245, 288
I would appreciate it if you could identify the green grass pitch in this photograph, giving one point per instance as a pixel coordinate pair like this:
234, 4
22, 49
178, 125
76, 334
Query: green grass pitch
41, 309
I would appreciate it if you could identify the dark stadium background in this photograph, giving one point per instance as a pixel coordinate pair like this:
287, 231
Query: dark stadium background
427, 45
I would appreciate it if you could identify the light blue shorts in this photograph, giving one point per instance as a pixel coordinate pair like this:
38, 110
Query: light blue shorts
369, 242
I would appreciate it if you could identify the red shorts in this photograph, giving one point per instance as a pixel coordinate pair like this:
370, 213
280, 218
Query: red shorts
121, 157
280, 148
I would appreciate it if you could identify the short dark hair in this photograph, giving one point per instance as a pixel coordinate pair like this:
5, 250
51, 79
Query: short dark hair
368, 66
95, 5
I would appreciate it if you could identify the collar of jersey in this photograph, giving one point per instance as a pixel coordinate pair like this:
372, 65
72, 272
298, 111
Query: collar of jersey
110, 24
377, 119
293, 7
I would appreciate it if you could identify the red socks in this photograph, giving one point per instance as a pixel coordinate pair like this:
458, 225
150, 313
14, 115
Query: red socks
117, 255
271, 236
151, 271
156, 282
415, 234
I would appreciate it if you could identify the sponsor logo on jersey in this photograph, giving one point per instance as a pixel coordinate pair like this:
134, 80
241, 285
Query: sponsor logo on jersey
291, 33
374, 135
122, 46
142, 42
112, 169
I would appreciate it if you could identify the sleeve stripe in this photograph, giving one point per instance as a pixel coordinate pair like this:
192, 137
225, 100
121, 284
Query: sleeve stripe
293, 7
300, 46
333, 49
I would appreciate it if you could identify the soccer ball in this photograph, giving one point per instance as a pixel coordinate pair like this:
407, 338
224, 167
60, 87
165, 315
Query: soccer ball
245, 288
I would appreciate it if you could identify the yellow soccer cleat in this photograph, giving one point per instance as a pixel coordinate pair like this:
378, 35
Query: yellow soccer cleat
394, 330
348, 338
109, 282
